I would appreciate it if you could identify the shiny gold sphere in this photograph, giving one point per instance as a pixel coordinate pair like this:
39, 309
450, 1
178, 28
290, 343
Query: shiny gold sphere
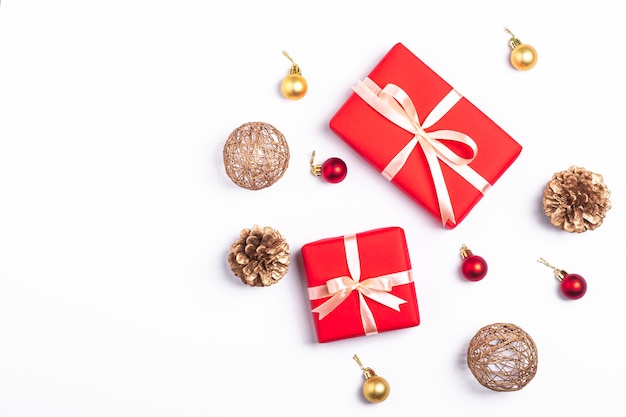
376, 389
523, 57
294, 87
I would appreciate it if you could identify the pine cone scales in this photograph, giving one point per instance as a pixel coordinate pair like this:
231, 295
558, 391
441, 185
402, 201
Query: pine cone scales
260, 257
576, 200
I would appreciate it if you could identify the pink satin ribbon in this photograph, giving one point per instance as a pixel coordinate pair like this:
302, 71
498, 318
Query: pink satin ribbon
395, 104
376, 288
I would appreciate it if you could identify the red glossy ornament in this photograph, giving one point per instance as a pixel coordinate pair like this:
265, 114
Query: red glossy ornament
473, 267
573, 286
333, 170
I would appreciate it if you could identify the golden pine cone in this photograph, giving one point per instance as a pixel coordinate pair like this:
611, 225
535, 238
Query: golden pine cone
576, 200
260, 257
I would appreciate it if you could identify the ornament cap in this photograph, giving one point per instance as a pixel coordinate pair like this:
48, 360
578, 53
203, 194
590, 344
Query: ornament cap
465, 252
368, 373
560, 274
295, 69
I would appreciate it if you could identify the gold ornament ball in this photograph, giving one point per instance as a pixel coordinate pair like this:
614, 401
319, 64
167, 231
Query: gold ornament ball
294, 86
523, 57
376, 389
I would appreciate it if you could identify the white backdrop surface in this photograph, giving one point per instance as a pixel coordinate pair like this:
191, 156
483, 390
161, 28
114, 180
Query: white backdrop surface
116, 214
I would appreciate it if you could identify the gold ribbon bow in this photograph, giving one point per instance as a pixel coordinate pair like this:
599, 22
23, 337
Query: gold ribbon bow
376, 288
394, 103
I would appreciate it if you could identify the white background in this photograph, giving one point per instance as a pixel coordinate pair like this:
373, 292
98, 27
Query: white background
116, 214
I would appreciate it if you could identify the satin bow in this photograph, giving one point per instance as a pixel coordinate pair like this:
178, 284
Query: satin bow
394, 104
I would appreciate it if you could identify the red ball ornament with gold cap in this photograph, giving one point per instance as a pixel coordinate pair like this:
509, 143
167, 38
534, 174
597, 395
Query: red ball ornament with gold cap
333, 170
473, 267
573, 286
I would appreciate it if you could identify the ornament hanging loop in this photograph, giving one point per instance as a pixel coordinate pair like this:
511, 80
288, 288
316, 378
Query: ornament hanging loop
514, 41
295, 69
367, 372
546, 263
317, 171
560, 274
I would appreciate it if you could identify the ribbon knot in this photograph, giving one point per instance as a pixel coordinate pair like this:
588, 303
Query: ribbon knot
394, 104
347, 284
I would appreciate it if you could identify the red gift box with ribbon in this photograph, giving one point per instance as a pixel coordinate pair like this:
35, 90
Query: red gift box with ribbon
424, 137
360, 284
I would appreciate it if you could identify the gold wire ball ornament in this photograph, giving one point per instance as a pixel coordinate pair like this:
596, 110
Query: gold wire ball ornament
260, 256
375, 388
523, 56
502, 357
293, 86
576, 200
256, 155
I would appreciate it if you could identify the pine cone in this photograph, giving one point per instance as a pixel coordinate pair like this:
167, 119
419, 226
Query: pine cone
576, 200
260, 257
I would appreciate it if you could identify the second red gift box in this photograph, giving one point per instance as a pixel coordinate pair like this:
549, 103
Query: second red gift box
360, 284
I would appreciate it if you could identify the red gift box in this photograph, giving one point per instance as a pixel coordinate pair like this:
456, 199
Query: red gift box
360, 284
445, 161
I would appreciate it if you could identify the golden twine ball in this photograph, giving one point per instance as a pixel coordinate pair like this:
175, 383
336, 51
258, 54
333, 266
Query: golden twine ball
256, 155
502, 357
576, 200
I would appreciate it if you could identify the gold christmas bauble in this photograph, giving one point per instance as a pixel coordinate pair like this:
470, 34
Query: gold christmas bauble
376, 389
294, 86
523, 57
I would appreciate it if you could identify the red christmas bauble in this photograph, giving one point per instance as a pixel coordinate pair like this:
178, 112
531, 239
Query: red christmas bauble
573, 286
334, 170
474, 268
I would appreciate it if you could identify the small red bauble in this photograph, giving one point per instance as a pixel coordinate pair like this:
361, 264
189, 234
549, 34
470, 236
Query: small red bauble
573, 286
333, 170
473, 267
